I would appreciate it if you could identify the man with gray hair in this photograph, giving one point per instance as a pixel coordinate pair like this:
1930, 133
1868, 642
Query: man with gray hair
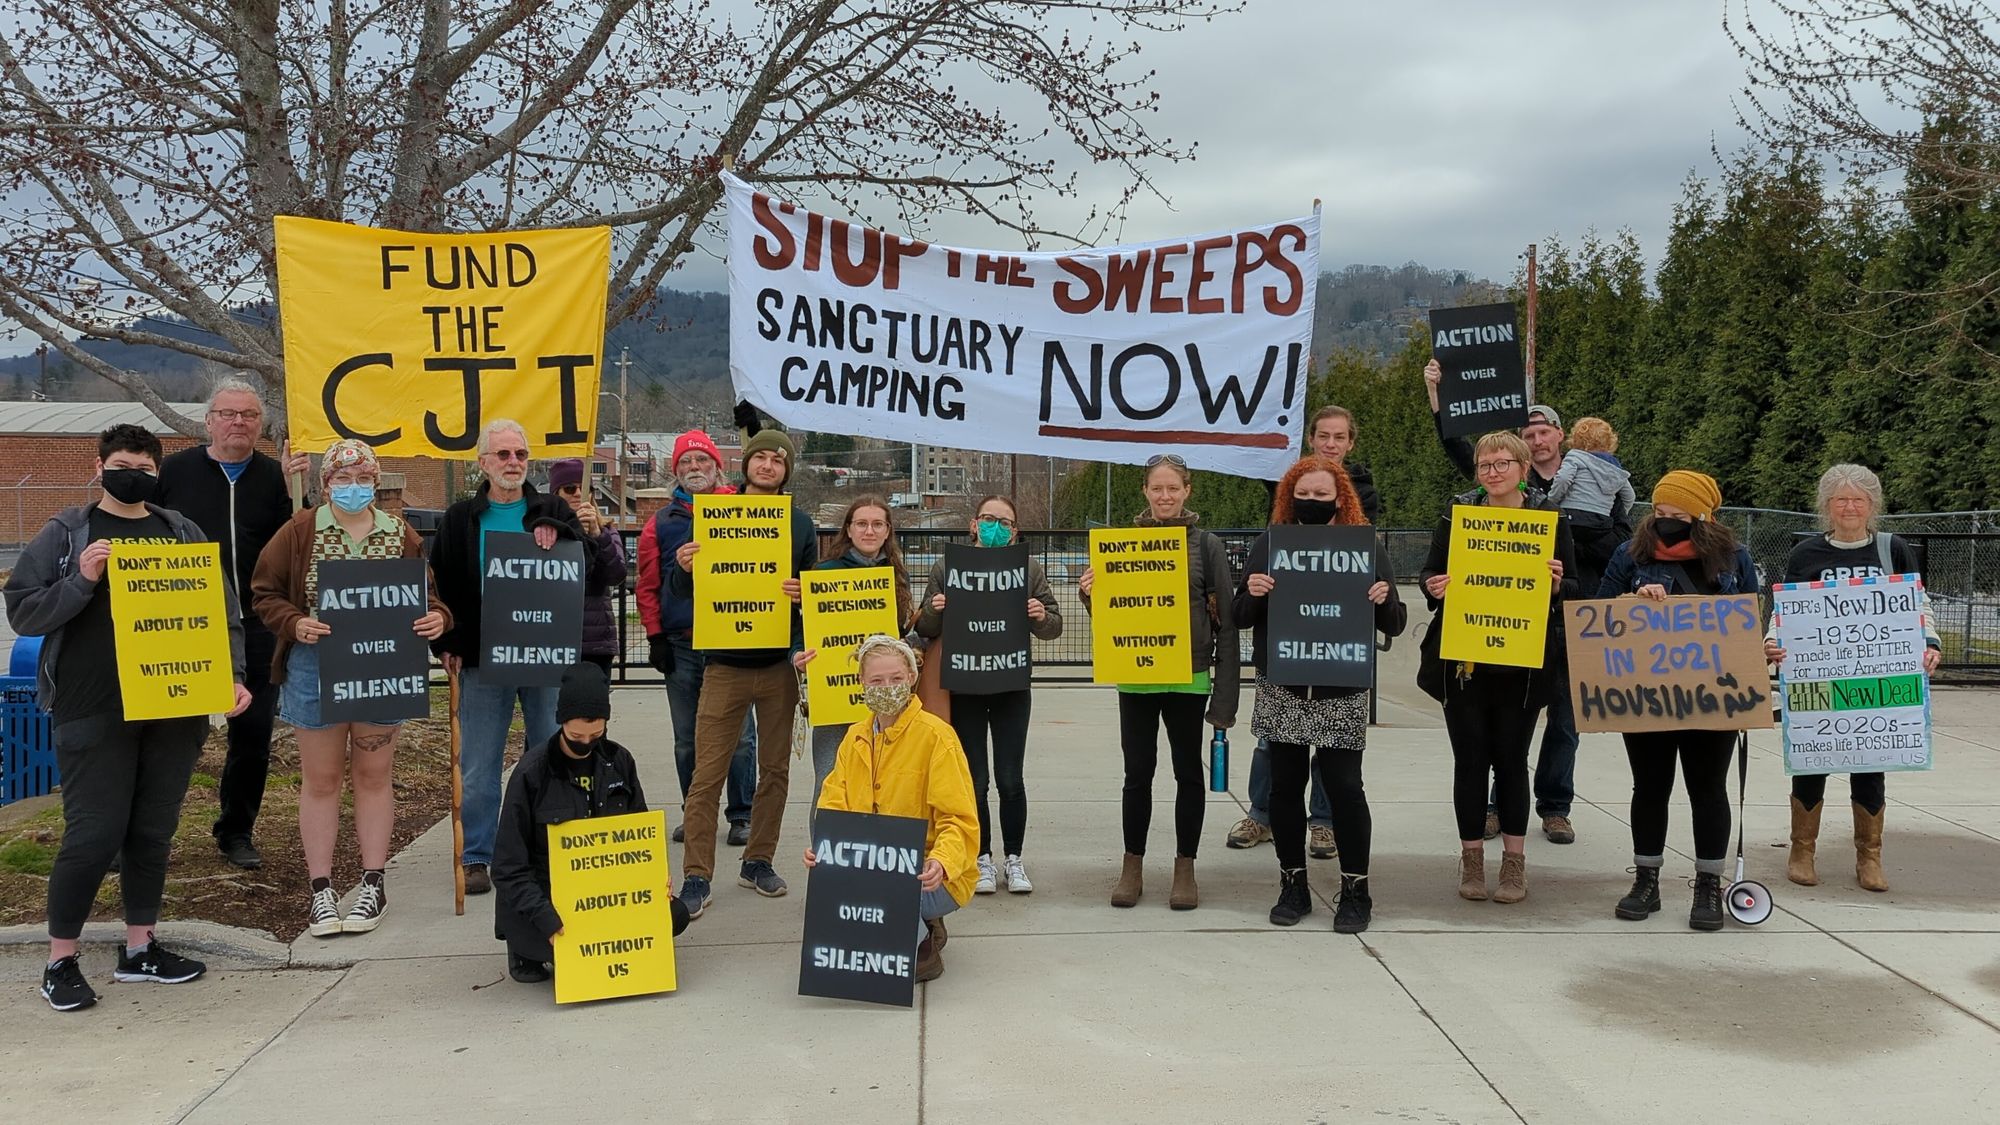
239, 498
505, 502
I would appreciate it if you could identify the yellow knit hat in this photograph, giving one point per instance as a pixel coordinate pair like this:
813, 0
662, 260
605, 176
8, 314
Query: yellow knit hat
1697, 493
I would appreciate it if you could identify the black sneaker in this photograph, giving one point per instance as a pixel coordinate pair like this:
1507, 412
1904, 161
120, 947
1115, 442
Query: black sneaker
240, 852
1294, 898
694, 895
64, 988
758, 875
158, 964
1356, 905
739, 833
526, 971
1644, 897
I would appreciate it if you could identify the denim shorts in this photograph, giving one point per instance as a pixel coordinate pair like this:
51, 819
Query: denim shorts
298, 696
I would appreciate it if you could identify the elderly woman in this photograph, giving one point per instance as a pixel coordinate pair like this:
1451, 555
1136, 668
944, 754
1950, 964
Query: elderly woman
285, 592
1849, 546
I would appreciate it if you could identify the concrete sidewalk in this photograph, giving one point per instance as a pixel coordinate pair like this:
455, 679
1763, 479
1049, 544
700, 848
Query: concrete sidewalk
1056, 1007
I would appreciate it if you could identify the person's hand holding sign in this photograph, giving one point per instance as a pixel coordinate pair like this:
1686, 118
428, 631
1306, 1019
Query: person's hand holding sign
937, 602
1653, 591
684, 557
933, 875
1036, 610
1433, 376
1086, 580
1378, 593
1259, 585
799, 661
587, 516
91, 562
545, 536
243, 698
1556, 570
812, 859
791, 588
1435, 585
308, 631
430, 626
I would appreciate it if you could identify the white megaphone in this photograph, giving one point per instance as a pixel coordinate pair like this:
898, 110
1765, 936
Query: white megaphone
1749, 902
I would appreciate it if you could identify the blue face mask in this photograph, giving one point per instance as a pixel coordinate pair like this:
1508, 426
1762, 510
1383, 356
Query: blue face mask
351, 498
994, 534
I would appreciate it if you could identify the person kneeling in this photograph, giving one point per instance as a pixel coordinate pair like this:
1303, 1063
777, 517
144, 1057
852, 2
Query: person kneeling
905, 761
577, 774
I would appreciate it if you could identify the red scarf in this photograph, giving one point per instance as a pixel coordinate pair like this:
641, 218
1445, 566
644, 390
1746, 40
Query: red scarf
1682, 551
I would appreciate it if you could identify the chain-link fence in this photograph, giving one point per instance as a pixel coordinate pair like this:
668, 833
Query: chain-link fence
23, 514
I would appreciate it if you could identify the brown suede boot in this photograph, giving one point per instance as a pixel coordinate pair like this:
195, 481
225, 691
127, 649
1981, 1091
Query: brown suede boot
1472, 874
1131, 881
1513, 878
1184, 895
930, 955
1805, 841
1868, 849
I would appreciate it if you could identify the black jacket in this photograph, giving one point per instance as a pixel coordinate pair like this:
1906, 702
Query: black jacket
805, 556
1497, 681
538, 795
1459, 450
241, 516
1251, 611
1364, 490
455, 562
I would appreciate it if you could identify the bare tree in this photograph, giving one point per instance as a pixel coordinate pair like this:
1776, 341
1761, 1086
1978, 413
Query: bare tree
145, 145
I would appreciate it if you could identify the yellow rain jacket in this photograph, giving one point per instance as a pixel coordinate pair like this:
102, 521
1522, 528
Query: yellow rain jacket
915, 769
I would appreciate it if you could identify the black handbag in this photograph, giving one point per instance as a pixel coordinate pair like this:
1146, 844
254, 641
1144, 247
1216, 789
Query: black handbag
1430, 666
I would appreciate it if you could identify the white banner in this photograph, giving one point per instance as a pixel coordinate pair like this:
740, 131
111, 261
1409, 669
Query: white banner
1852, 689
1198, 345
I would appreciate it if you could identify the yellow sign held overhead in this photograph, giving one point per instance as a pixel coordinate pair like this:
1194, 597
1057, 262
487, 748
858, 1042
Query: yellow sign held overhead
740, 571
1141, 631
608, 880
170, 626
1496, 610
842, 607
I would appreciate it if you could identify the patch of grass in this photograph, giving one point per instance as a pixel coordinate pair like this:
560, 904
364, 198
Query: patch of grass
202, 781
26, 857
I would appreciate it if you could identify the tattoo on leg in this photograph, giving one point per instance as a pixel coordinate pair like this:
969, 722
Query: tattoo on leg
374, 740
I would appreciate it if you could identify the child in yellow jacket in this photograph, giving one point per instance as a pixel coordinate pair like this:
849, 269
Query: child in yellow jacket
904, 761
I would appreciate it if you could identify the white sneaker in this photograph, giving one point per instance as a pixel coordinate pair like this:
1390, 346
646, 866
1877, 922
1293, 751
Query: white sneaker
325, 914
1017, 876
988, 877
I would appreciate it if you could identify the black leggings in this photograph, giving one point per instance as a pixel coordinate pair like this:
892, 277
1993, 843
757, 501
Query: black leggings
1489, 738
122, 787
1704, 757
1340, 776
1869, 790
1006, 715
1139, 719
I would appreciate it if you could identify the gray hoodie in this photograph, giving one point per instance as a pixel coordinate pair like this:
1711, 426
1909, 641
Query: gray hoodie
46, 590
1589, 483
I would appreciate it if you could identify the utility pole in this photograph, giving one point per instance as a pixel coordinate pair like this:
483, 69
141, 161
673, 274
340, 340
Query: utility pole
1528, 353
624, 432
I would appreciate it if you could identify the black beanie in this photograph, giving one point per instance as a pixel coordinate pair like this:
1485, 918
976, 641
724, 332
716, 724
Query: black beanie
585, 694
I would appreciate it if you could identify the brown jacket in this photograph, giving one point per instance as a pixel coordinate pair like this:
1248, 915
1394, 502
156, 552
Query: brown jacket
278, 586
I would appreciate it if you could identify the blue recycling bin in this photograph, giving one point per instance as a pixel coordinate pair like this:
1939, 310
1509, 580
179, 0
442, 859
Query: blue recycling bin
27, 737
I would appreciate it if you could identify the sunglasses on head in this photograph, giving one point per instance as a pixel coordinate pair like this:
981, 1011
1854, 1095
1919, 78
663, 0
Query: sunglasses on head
1157, 459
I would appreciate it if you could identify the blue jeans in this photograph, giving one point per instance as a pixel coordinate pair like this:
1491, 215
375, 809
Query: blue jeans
683, 699
1260, 791
1555, 766
930, 905
484, 713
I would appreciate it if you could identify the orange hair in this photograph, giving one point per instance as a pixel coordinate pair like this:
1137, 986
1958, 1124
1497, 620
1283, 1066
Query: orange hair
1345, 497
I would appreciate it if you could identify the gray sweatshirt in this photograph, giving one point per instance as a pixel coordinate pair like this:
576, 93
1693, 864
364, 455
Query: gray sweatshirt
1589, 483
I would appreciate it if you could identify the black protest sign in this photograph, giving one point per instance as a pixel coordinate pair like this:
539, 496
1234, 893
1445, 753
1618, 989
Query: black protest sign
861, 908
985, 619
1485, 385
372, 667
1318, 620
530, 610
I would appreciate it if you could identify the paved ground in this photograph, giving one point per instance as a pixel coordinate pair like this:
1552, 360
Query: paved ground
1056, 1007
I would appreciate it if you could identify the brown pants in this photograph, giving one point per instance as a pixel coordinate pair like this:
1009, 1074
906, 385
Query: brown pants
727, 694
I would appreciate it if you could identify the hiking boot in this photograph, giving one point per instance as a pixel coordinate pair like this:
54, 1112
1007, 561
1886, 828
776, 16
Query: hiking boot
1356, 905
240, 852
478, 879
694, 895
325, 913
1131, 881
989, 877
1805, 841
1513, 885
1294, 898
526, 971
1247, 834
64, 988
1868, 849
1492, 823
1319, 841
1183, 895
157, 964
739, 833
1017, 876
1707, 911
930, 954
1559, 830
370, 903
1644, 897
1472, 874
758, 875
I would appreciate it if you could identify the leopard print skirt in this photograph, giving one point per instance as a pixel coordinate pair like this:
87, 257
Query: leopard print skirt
1338, 721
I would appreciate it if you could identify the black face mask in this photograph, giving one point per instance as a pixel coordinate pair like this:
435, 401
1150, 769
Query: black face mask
1672, 532
130, 486
1313, 512
584, 749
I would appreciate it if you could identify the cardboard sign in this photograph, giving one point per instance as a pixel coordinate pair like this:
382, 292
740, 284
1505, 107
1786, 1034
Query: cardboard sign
1688, 663
1852, 690
842, 607
608, 879
170, 627
986, 619
1485, 385
740, 571
530, 610
862, 908
1141, 630
1496, 610
372, 667
413, 342
1318, 621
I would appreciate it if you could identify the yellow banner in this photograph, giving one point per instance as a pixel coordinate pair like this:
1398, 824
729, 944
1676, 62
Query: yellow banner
1140, 628
170, 626
740, 571
842, 607
608, 879
1496, 610
413, 342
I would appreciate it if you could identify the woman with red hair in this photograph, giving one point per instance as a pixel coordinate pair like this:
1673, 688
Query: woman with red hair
1314, 728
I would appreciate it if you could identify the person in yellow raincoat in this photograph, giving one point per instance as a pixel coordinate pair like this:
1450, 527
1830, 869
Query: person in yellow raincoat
904, 761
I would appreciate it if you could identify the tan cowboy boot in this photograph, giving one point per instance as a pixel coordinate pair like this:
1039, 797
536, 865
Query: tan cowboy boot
1868, 849
1805, 841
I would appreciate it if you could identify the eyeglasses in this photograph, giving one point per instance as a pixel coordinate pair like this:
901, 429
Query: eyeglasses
1173, 459
1003, 521
236, 415
1488, 468
869, 525
520, 455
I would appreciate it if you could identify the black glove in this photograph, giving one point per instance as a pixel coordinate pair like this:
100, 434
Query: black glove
746, 418
660, 655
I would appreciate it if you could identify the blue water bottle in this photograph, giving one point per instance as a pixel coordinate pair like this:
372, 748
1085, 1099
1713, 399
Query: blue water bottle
1218, 762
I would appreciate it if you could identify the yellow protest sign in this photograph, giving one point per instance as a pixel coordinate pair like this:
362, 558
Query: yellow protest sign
170, 628
740, 571
1140, 629
842, 607
412, 342
608, 879
1496, 610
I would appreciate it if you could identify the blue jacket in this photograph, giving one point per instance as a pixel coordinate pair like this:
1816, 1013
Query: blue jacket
1625, 575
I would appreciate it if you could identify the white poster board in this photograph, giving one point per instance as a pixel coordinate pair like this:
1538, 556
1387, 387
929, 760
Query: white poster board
1853, 696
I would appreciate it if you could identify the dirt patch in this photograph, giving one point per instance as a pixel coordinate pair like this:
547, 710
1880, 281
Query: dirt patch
200, 883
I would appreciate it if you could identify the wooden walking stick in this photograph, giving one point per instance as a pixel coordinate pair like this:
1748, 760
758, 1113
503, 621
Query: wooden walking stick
457, 808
